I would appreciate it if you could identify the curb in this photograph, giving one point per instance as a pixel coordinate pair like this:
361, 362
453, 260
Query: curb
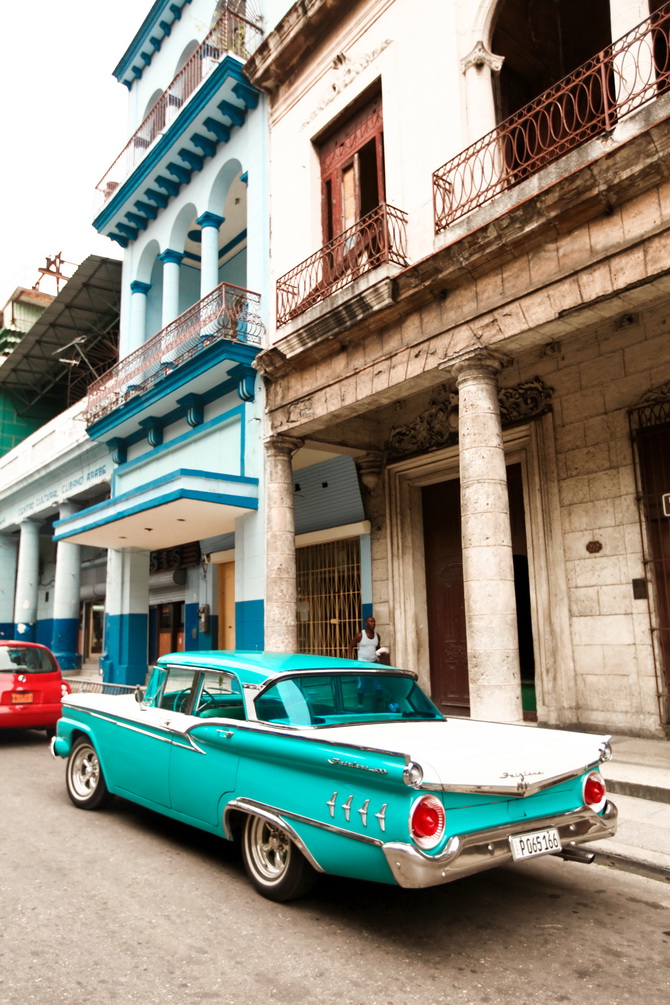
612, 860
638, 790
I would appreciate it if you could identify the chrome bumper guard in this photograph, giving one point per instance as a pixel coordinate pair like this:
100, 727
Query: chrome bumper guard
465, 854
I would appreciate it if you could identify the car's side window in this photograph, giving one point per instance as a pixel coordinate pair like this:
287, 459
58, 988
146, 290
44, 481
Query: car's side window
175, 694
219, 695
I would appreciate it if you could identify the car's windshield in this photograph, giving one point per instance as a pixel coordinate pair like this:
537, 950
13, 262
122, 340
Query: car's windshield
342, 699
25, 659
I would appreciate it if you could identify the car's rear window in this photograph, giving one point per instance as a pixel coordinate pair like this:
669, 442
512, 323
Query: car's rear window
344, 699
18, 659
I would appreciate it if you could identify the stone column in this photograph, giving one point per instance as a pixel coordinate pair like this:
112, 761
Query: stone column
478, 68
8, 551
171, 261
281, 633
27, 582
634, 67
138, 315
488, 570
65, 634
209, 261
124, 660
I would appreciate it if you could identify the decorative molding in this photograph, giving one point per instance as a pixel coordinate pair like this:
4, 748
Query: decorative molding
481, 56
434, 428
659, 393
525, 401
437, 426
346, 71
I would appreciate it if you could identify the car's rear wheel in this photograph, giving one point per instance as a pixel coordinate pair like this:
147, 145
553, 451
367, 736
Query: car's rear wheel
85, 781
276, 868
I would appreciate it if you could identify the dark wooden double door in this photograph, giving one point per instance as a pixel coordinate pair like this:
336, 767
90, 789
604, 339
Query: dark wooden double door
444, 587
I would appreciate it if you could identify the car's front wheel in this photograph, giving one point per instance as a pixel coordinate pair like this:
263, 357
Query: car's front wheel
85, 781
276, 868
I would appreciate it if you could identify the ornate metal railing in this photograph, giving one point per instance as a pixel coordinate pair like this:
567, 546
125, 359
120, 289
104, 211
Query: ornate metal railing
228, 312
377, 238
591, 100
232, 33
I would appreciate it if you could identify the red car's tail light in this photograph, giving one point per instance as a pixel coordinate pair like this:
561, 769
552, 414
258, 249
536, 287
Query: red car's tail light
595, 791
427, 821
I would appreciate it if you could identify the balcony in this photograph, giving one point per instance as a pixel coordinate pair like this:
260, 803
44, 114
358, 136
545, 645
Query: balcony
376, 239
227, 314
588, 102
233, 35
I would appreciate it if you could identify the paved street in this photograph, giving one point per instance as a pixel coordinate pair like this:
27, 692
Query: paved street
124, 906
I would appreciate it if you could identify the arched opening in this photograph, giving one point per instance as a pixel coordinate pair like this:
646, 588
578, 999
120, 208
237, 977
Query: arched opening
543, 42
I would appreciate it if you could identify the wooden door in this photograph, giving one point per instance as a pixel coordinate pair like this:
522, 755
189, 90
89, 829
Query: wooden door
445, 595
444, 588
226, 635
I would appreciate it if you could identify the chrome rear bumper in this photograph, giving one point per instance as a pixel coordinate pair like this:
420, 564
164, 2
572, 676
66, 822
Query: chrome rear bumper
465, 854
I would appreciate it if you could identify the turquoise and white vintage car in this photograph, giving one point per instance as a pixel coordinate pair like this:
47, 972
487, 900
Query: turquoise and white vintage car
326, 765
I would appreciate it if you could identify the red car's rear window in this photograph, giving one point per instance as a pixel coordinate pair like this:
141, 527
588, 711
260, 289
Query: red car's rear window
25, 659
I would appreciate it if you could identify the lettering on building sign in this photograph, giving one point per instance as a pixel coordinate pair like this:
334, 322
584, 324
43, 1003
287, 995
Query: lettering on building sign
66, 489
183, 557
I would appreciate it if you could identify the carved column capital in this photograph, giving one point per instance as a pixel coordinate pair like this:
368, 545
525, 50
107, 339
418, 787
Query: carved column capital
369, 467
475, 361
481, 56
280, 444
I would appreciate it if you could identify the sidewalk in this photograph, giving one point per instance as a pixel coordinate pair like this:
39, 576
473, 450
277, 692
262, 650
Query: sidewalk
638, 780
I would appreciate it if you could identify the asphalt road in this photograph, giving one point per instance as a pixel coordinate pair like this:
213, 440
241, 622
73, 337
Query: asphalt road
122, 905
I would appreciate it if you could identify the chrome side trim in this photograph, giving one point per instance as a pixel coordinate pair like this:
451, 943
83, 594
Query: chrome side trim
519, 789
280, 817
465, 854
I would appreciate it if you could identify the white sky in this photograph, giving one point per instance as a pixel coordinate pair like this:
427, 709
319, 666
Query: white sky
63, 120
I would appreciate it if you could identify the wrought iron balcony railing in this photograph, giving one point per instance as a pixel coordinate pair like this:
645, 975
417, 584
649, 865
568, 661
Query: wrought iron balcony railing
232, 33
590, 100
377, 238
228, 312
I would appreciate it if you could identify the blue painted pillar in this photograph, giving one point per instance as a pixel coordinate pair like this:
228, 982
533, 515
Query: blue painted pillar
27, 582
65, 635
8, 549
124, 660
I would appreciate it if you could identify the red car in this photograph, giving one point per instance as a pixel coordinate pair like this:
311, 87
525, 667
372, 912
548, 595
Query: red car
31, 687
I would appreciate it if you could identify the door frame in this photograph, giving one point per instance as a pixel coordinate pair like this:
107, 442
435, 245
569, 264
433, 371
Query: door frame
531, 446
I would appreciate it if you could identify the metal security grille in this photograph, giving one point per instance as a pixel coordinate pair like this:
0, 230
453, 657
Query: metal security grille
329, 596
650, 429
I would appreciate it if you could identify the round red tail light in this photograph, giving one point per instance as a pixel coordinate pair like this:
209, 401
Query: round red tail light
595, 790
427, 821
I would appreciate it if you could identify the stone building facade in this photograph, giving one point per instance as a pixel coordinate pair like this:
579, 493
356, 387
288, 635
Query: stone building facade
494, 353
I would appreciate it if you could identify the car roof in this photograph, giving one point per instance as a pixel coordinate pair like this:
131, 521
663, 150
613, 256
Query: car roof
23, 642
254, 667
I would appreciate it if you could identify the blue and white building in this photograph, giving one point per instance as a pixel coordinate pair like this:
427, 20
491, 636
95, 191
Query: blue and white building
182, 411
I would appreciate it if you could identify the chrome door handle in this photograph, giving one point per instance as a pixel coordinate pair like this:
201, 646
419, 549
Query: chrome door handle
228, 733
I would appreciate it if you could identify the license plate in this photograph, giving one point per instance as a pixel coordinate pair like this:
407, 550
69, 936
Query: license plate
22, 698
537, 843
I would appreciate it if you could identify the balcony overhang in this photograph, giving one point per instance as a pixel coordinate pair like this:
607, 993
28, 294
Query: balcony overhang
223, 367
183, 506
156, 26
180, 151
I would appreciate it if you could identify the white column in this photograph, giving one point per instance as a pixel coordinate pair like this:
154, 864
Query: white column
171, 261
124, 660
27, 581
209, 260
478, 68
8, 553
138, 314
281, 631
65, 635
634, 64
488, 569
